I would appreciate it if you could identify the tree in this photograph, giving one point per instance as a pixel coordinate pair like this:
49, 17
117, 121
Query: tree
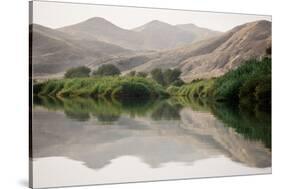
157, 75
131, 73
167, 77
268, 51
171, 75
107, 70
141, 74
81, 71
178, 83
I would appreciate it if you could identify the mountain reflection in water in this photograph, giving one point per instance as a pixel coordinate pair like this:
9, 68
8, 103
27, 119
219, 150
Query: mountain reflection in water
158, 132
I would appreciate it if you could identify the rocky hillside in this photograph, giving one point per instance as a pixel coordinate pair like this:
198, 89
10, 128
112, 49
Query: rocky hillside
154, 35
90, 43
54, 51
212, 57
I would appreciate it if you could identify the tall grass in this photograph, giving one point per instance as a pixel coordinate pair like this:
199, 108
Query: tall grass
115, 87
227, 87
249, 85
195, 89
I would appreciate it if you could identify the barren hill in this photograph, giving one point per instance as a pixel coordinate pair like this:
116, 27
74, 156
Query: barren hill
154, 35
215, 56
54, 51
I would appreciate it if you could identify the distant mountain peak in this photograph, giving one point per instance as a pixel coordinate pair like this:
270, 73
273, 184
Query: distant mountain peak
157, 22
154, 35
189, 24
154, 24
98, 21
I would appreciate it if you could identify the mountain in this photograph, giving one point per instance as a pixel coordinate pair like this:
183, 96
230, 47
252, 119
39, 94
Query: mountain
212, 57
185, 138
102, 30
160, 35
199, 33
154, 35
54, 51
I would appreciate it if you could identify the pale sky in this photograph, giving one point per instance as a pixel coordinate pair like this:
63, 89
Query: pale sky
55, 15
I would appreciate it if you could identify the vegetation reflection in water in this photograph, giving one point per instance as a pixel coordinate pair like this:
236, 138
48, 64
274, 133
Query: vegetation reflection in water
252, 124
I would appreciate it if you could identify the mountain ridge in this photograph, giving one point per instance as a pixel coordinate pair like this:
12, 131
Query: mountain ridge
154, 35
213, 57
54, 51
207, 58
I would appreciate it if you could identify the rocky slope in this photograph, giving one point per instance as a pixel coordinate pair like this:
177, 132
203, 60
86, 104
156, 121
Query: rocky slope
154, 35
215, 56
88, 43
54, 51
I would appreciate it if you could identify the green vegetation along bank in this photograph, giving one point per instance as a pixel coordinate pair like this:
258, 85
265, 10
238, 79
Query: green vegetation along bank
249, 85
108, 87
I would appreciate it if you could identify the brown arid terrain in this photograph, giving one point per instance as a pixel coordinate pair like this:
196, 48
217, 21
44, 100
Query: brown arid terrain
215, 56
198, 52
154, 35
54, 51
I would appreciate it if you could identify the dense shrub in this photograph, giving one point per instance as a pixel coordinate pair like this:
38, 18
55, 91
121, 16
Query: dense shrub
256, 90
171, 76
107, 70
227, 87
157, 75
102, 87
173, 90
247, 92
81, 71
129, 89
263, 94
167, 77
37, 87
195, 89
131, 73
178, 83
249, 85
141, 74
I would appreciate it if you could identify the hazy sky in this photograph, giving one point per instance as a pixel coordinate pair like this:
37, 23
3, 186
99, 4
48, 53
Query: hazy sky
55, 15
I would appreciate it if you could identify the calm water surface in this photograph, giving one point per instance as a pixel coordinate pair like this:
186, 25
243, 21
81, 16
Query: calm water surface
83, 141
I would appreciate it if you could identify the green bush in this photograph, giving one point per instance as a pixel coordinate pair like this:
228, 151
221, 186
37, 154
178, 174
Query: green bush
173, 90
107, 70
227, 87
256, 90
157, 75
141, 74
195, 89
171, 75
247, 91
133, 90
81, 71
131, 73
177, 83
167, 77
249, 85
37, 87
102, 87
263, 94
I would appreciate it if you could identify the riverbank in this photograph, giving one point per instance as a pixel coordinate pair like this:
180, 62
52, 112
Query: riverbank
252, 124
97, 87
249, 85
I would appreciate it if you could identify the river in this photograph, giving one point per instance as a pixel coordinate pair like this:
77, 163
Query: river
85, 141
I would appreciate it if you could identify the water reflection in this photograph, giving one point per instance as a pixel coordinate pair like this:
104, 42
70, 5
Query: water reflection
157, 132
